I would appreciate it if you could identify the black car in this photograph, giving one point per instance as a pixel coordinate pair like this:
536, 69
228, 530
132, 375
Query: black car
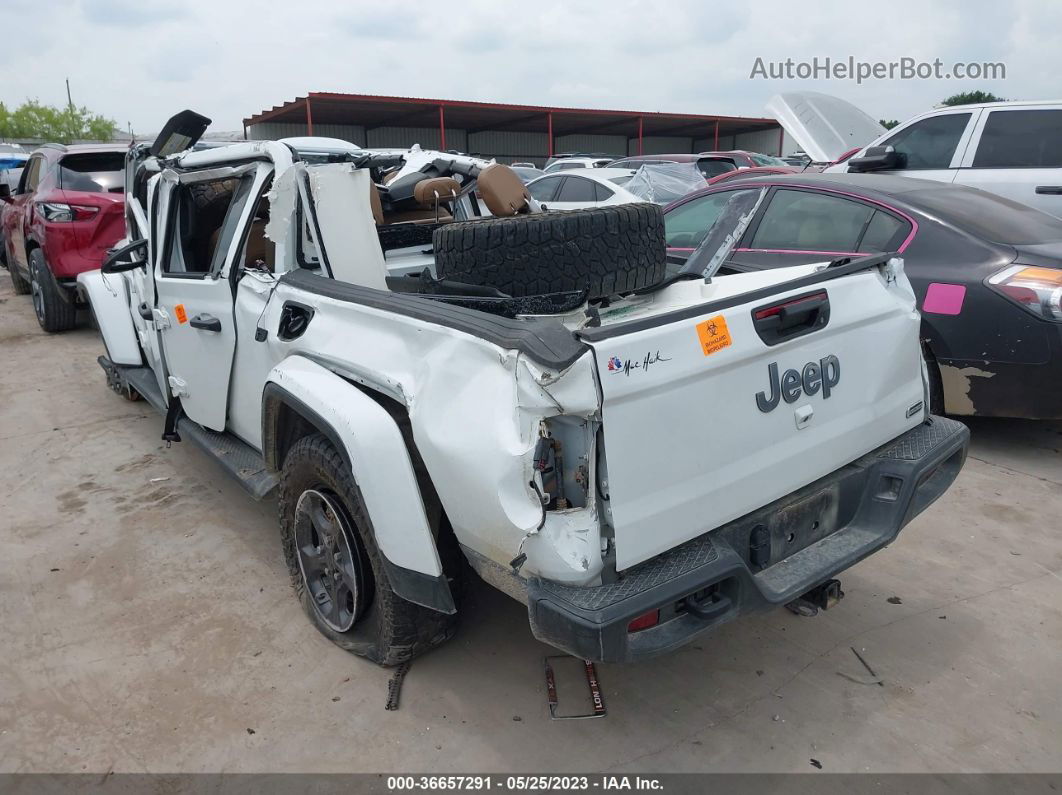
987, 272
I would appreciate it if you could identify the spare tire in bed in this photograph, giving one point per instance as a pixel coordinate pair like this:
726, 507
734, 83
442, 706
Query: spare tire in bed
605, 250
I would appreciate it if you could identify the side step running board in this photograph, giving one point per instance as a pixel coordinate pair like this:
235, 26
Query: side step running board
234, 455
237, 457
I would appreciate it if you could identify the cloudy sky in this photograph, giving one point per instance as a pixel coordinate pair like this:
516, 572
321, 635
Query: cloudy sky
138, 61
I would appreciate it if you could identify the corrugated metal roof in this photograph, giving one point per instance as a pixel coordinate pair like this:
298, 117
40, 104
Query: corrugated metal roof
370, 110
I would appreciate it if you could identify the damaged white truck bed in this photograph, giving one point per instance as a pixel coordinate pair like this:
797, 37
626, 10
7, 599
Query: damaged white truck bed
638, 465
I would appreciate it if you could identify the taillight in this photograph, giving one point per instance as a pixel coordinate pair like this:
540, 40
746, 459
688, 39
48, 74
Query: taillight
58, 212
1039, 290
644, 621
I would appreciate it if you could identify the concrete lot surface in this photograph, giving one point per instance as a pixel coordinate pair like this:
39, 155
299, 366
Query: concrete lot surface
148, 625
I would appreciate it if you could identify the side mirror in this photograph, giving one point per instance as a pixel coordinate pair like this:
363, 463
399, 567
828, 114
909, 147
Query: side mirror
112, 265
5, 192
877, 158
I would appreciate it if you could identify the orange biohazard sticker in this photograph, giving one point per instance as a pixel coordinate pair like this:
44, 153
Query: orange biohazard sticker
713, 334
182, 316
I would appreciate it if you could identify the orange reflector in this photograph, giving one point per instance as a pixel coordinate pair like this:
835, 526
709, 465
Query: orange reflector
1044, 276
650, 619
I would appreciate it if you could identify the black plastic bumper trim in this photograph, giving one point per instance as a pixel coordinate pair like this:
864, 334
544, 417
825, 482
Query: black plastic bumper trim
592, 622
421, 589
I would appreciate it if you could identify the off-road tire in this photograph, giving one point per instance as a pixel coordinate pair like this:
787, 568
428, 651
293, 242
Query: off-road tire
22, 287
606, 250
54, 312
389, 630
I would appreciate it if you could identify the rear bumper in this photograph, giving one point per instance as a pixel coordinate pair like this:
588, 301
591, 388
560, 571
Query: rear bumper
814, 534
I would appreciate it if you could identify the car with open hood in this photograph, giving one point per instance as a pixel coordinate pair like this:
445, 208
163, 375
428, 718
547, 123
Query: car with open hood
1013, 149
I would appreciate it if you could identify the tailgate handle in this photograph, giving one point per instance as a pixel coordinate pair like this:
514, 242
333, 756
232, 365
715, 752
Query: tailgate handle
1049, 190
791, 318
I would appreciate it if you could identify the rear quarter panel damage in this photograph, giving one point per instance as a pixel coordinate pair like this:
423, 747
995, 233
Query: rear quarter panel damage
475, 411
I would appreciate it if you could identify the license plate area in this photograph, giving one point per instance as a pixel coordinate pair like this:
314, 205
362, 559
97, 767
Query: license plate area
765, 538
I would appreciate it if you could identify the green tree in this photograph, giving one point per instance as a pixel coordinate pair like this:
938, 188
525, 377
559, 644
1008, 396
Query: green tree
31, 120
971, 98
888, 124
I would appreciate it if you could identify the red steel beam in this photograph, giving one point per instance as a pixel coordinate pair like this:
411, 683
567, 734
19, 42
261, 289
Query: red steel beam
715, 146
309, 118
549, 128
640, 120
442, 128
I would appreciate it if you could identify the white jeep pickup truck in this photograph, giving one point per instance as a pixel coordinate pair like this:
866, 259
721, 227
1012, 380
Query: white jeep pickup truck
637, 454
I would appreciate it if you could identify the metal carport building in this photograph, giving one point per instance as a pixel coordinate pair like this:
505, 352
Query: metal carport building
509, 132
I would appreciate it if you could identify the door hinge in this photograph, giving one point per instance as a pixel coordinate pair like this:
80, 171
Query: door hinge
178, 386
162, 320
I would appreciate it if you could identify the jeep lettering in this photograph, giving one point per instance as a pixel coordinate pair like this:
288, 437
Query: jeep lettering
823, 374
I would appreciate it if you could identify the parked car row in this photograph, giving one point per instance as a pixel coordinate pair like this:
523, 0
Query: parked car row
985, 267
711, 164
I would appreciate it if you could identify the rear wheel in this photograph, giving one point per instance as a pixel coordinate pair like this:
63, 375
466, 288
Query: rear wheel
336, 567
54, 311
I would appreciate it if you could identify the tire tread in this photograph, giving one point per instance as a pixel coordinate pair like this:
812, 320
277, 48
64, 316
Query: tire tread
391, 630
605, 250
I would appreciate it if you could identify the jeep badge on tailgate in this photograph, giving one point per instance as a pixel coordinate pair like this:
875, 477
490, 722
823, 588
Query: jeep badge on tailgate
823, 374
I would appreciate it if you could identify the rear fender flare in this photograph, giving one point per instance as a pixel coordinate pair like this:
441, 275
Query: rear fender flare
372, 445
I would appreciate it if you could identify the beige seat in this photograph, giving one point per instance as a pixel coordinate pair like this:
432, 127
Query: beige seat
375, 203
260, 249
438, 189
426, 192
502, 191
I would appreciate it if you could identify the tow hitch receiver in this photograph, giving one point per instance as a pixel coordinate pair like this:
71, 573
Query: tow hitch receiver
821, 597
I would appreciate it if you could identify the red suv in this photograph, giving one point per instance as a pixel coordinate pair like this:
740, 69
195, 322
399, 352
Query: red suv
69, 209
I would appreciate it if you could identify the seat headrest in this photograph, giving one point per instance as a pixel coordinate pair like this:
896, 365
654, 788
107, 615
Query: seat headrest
502, 191
428, 190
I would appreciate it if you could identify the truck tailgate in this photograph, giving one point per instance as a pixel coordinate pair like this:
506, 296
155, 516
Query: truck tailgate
704, 421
